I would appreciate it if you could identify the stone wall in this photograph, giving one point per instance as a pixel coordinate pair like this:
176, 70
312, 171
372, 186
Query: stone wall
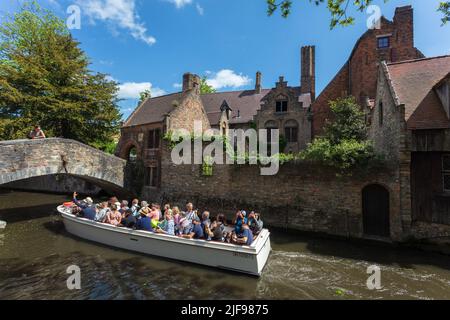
297, 113
24, 159
301, 197
386, 133
190, 110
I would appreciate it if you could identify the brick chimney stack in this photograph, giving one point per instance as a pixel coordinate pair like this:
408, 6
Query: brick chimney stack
258, 82
404, 22
308, 71
191, 82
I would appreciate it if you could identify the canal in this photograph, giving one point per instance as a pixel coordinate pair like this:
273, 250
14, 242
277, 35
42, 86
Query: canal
35, 252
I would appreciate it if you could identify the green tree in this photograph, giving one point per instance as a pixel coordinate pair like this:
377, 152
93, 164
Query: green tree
44, 79
339, 8
348, 121
144, 95
205, 88
344, 144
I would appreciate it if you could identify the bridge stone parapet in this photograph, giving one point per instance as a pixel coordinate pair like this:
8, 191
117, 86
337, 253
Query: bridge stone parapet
23, 159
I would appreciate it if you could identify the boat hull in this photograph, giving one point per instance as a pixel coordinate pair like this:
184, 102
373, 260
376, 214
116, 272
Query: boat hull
245, 259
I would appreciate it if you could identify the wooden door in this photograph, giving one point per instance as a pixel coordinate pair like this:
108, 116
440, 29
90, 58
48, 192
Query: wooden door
376, 211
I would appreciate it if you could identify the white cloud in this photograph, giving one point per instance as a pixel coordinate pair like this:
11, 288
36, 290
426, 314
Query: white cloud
131, 90
200, 9
119, 13
178, 85
227, 79
180, 3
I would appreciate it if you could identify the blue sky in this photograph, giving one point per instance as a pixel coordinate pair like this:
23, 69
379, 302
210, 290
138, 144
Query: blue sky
151, 43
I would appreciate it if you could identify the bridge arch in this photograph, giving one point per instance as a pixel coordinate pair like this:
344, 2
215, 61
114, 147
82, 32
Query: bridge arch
24, 159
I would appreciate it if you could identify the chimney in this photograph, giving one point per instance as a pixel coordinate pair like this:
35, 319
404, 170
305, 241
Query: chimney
404, 23
191, 82
258, 83
308, 71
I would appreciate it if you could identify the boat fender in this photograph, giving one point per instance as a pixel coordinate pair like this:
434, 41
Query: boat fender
2, 224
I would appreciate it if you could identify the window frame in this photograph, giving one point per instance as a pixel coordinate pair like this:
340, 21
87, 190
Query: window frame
291, 134
151, 177
154, 139
284, 104
383, 45
291, 131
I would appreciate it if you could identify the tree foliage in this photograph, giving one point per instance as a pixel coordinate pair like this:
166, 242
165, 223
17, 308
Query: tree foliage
205, 88
344, 144
44, 79
444, 8
339, 9
144, 95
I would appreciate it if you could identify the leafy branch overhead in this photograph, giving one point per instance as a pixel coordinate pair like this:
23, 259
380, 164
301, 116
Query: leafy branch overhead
45, 79
339, 9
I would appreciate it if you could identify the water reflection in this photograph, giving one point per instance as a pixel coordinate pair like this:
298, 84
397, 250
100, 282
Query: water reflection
35, 252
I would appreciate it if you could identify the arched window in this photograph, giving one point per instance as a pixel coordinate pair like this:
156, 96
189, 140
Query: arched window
270, 125
132, 154
291, 131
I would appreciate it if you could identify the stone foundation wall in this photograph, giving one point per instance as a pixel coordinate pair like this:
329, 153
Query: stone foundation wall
301, 196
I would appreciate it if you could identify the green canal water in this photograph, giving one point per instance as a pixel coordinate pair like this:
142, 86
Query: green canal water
35, 252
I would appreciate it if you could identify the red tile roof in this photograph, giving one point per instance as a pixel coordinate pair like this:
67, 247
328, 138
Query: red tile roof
413, 82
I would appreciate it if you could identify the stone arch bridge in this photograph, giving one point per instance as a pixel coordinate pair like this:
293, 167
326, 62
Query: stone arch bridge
24, 159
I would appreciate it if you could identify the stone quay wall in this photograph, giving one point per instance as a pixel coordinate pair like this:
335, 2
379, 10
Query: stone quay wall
302, 196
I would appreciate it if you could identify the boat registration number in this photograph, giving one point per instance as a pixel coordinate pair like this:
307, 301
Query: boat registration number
243, 255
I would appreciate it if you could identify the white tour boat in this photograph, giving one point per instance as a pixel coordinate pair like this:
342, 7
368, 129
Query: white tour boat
245, 259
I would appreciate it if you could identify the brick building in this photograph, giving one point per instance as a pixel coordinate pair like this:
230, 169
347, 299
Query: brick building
392, 42
410, 125
407, 101
282, 107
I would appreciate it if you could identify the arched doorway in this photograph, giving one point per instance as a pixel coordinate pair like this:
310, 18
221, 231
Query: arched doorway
132, 154
375, 199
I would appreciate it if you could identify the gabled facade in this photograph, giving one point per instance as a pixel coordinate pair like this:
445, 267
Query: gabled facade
410, 126
283, 107
392, 42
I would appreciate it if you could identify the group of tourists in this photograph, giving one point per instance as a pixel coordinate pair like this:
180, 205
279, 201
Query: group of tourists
171, 220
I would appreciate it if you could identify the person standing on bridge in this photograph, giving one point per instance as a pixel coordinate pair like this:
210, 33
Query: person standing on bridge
37, 133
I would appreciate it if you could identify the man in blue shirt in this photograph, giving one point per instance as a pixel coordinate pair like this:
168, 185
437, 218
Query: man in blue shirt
129, 221
87, 207
245, 237
197, 231
144, 223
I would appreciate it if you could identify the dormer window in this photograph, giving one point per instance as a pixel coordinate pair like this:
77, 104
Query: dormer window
281, 106
383, 42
